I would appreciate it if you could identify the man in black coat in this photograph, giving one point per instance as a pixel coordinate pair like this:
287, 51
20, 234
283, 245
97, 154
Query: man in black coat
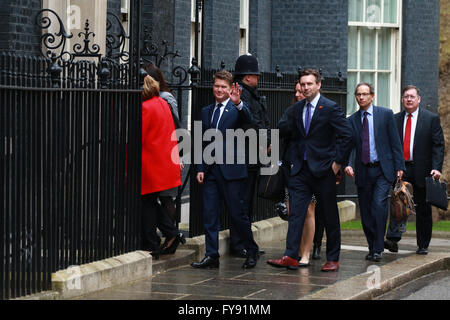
423, 149
246, 73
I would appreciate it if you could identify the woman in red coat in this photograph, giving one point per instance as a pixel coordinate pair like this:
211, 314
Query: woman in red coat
160, 167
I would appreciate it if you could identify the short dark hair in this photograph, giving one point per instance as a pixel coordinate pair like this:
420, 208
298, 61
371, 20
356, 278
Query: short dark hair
371, 88
313, 72
224, 75
409, 87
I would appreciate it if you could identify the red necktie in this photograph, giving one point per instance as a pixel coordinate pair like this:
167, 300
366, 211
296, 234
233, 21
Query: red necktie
407, 139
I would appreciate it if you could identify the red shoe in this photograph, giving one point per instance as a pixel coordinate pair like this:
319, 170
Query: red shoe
285, 262
330, 266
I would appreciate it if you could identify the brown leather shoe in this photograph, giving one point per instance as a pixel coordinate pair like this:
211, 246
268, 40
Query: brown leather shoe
330, 266
285, 262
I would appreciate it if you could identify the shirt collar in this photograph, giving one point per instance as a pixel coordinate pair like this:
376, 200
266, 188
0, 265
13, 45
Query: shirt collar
315, 101
223, 103
369, 111
414, 114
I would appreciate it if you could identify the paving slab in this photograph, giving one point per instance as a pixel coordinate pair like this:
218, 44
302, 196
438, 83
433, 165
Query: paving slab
356, 278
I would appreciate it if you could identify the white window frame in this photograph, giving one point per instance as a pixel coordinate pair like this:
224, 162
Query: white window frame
244, 14
395, 67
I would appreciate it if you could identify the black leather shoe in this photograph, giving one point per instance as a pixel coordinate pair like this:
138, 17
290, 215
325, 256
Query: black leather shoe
239, 253
369, 256
422, 251
179, 238
250, 262
376, 257
316, 253
207, 262
392, 246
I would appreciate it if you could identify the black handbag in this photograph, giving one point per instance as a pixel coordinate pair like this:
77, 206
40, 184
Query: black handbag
272, 186
436, 193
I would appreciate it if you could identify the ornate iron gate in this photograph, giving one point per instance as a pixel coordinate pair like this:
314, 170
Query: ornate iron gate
70, 144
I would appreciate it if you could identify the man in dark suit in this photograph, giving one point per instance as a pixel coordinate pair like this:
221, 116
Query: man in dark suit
223, 179
377, 162
321, 139
423, 149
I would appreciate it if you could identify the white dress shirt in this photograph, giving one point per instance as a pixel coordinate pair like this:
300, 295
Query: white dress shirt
313, 104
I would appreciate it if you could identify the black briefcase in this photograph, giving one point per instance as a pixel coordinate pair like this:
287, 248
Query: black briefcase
436, 193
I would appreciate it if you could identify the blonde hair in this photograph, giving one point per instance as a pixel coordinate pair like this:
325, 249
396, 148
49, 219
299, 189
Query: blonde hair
151, 88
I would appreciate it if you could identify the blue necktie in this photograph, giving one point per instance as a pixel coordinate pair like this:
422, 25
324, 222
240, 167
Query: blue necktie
307, 122
365, 155
308, 117
216, 116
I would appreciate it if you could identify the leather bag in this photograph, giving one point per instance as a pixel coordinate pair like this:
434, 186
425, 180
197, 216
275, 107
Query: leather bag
402, 203
436, 193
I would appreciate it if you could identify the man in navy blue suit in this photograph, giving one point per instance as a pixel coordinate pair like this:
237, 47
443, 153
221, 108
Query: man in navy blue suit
321, 139
378, 161
223, 179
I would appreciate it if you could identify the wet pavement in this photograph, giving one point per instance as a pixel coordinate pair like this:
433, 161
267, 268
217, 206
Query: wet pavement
264, 282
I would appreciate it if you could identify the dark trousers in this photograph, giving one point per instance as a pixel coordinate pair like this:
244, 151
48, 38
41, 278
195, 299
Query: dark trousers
374, 207
153, 216
236, 243
301, 188
424, 217
215, 190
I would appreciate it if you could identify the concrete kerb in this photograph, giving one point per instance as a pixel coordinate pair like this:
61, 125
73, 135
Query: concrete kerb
382, 279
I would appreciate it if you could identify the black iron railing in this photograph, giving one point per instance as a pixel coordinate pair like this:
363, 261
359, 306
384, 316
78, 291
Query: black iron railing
70, 171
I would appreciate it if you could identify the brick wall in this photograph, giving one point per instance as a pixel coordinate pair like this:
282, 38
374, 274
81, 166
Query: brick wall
420, 48
310, 34
18, 31
221, 33
260, 40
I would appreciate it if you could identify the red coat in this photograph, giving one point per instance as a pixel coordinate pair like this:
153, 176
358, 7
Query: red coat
159, 171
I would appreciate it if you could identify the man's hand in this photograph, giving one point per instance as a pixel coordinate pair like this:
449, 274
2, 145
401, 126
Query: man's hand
336, 167
200, 177
435, 174
235, 93
349, 171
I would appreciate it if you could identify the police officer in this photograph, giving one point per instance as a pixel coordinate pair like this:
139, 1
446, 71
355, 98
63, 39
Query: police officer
246, 73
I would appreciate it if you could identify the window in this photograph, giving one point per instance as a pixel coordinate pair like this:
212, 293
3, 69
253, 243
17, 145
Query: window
374, 50
243, 27
124, 18
193, 4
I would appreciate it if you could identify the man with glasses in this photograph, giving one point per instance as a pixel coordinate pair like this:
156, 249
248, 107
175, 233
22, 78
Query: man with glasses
375, 163
423, 149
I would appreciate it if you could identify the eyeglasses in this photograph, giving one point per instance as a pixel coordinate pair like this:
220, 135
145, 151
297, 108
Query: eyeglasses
409, 97
364, 94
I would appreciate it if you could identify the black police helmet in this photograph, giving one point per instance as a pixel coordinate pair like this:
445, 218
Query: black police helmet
246, 64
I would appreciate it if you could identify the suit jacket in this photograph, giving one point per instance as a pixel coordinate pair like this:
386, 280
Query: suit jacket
232, 118
329, 138
429, 144
387, 144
